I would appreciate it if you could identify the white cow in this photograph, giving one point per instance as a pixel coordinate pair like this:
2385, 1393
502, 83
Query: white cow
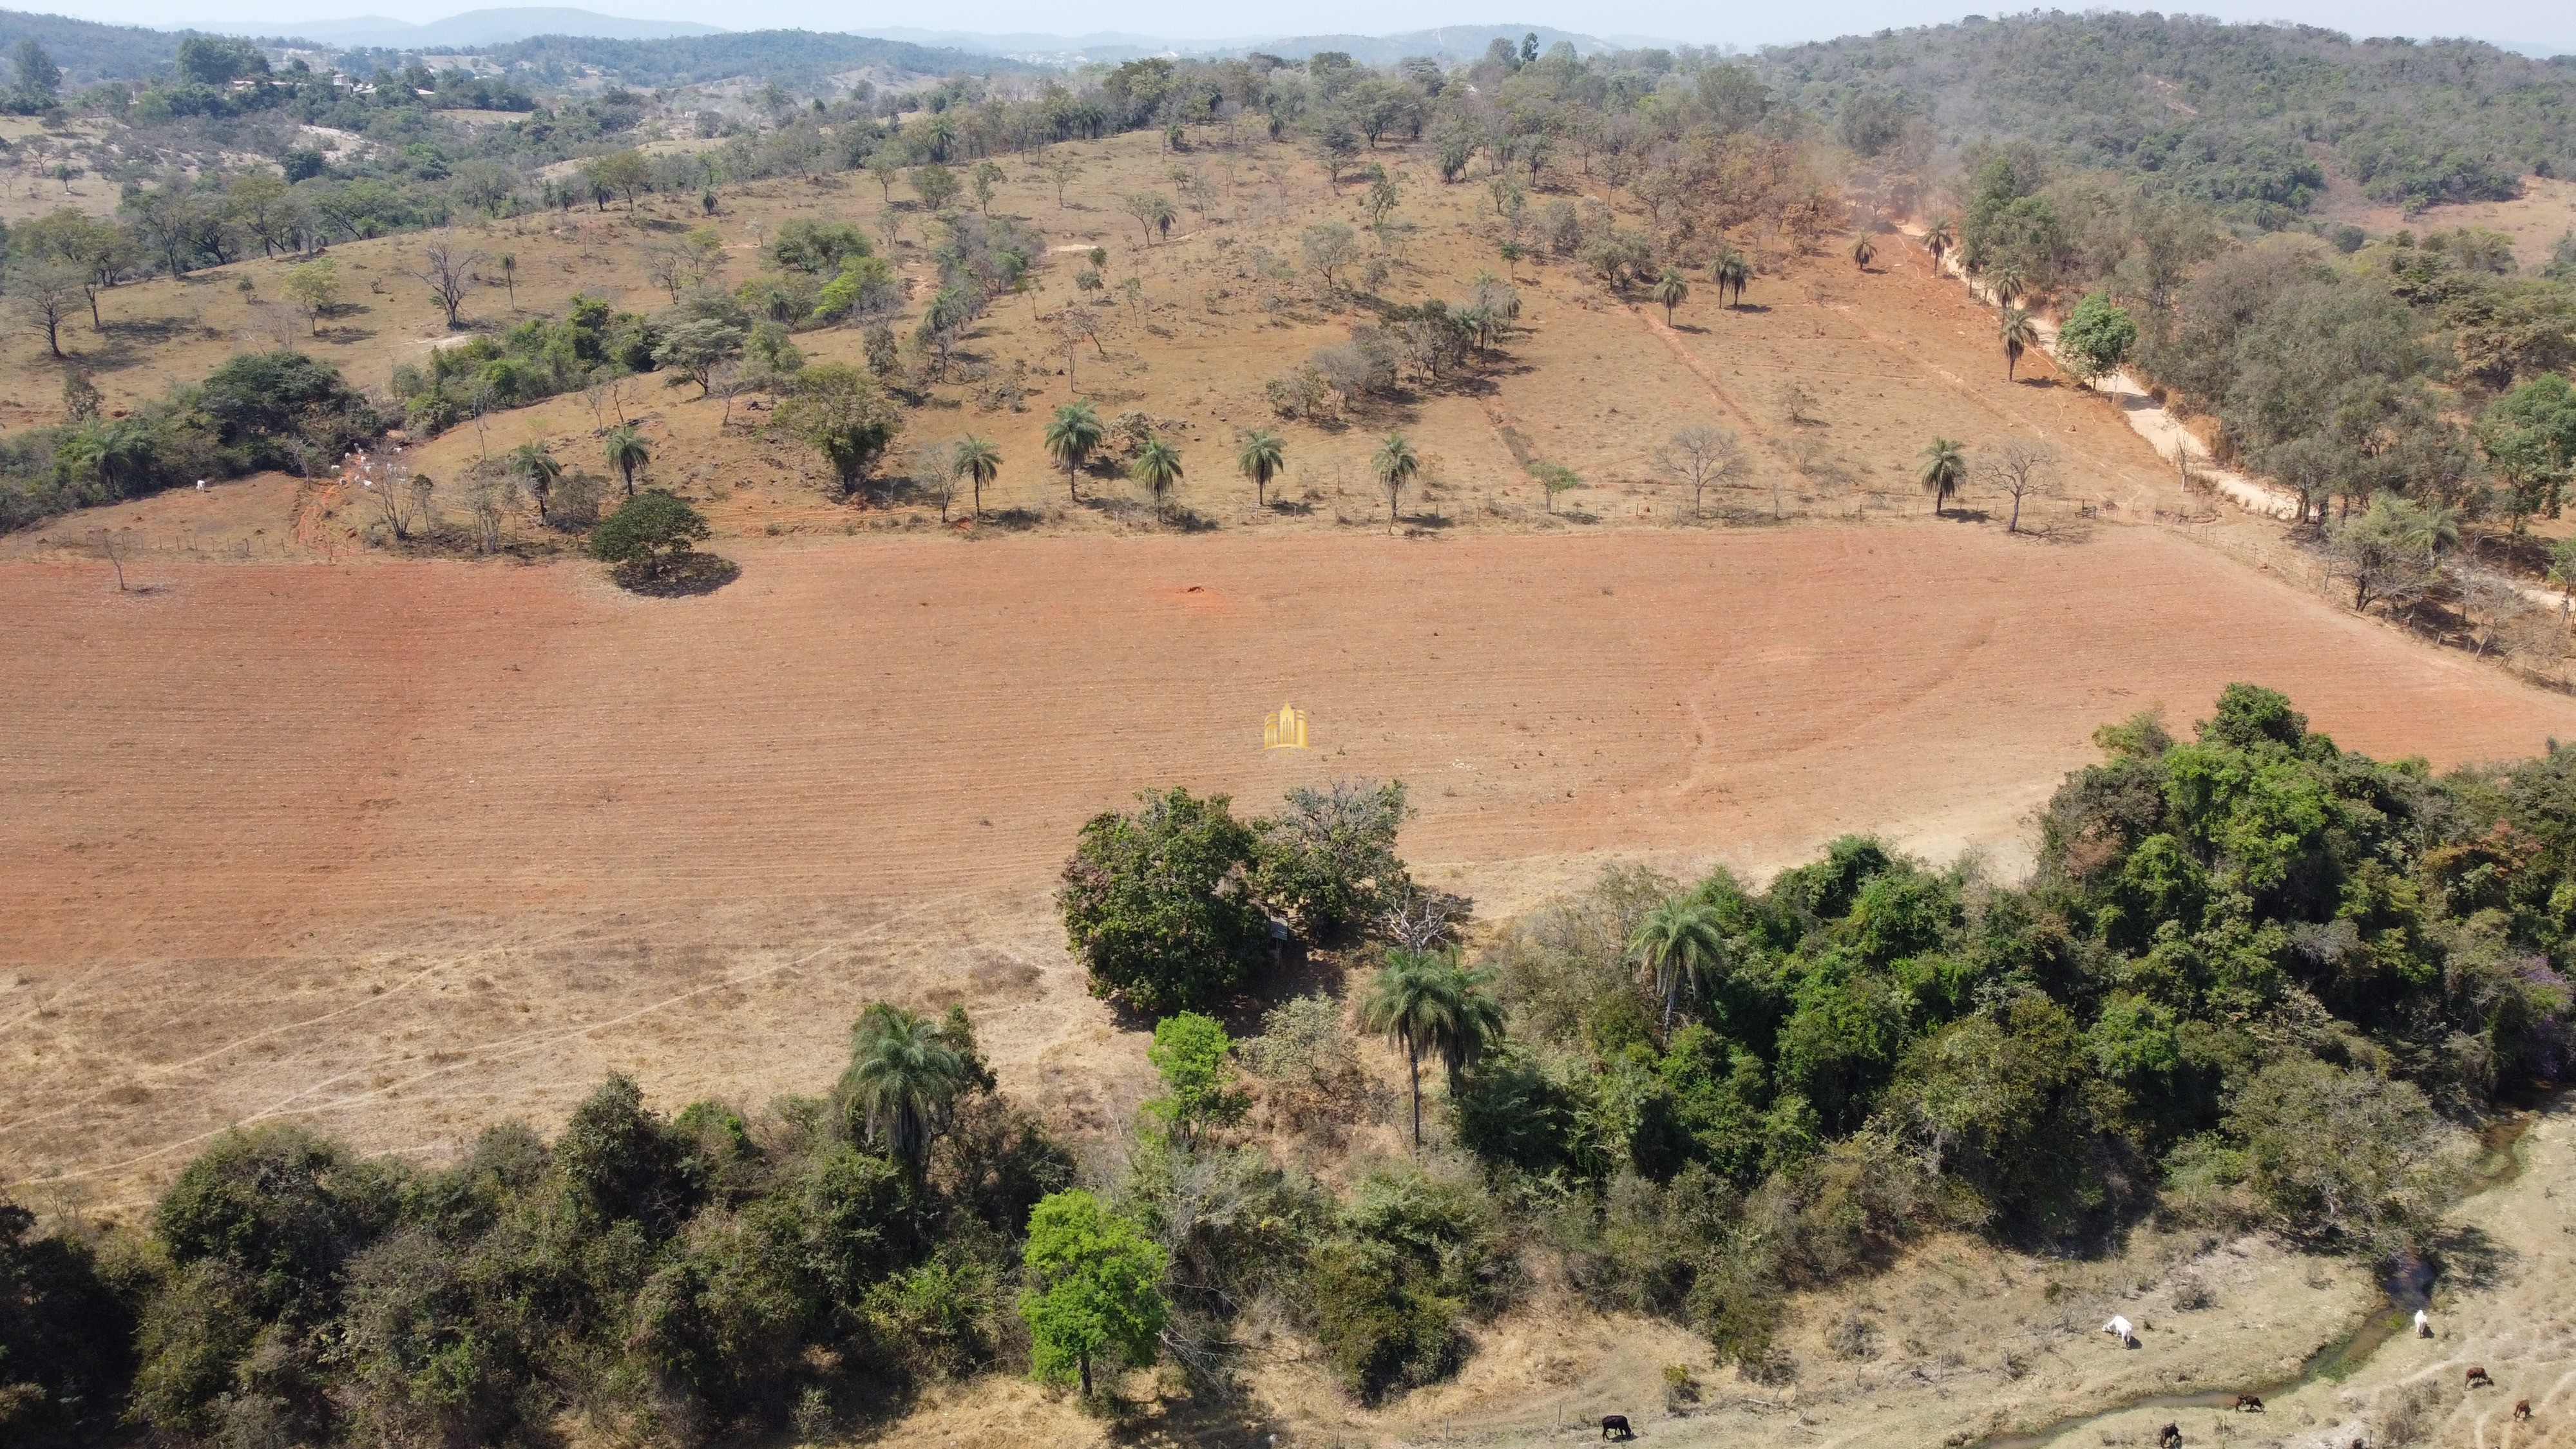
2119, 1328
2423, 1324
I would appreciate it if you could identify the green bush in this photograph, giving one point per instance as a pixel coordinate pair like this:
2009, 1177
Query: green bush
651, 537
1158, 904
66, 1334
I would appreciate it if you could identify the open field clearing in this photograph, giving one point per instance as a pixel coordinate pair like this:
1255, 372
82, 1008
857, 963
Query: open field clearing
411, 847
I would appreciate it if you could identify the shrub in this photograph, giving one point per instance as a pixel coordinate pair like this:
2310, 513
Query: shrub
66, 1332
1190, 1051
1159, 903
649, 538
1093, 1290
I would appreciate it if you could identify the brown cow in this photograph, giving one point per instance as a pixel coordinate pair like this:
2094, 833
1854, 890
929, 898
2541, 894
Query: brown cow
2479, 1377
2249, 1403
2521, 1410
2169, 1437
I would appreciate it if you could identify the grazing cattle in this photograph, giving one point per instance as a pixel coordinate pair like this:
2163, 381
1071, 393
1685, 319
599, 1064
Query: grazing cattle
2479, 1378
2521, 1410
2249, 1403
1615, 1426
2169, 1437
2423, 1324
2119, 1328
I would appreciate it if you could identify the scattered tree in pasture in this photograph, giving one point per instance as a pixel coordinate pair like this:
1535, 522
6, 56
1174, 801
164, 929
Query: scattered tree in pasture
1863, 251
1700, 457
695, 349
46, 295
1072, 436
1395, 464
626, 452
1945, 467
1260, 458
2019, 468
1153, 904
446, 269
837, 410
1670, 291
536, 468
2019, 334
976, 459
651, 536
935, 184
1158, 467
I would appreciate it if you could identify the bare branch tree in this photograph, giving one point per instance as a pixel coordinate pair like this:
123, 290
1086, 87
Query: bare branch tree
1701, 457
2019, 469
1421, 920
445, 270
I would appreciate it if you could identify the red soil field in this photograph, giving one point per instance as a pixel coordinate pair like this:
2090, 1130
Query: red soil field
410, 847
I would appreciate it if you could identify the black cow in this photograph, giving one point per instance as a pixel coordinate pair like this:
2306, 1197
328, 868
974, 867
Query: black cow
1615, 1426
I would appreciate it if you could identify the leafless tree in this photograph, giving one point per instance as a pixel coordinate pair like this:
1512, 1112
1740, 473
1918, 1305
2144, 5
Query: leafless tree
400, 498
1798, 403
47, 296
445, 270
1700, 457
2019, 469
2490, 603
1421, 920
107, 546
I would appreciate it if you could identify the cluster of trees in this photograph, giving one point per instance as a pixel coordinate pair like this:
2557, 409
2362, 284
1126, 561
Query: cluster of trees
2249, 980
671, 1279
261, 410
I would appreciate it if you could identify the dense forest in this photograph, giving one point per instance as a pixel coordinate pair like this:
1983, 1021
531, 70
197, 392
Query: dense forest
2252, 982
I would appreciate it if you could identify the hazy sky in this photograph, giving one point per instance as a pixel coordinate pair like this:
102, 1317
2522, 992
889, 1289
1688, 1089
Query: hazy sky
2550, 22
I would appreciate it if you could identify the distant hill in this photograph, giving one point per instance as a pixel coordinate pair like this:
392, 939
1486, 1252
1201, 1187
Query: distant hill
790, 57
473, 28
88, 51
1455, 42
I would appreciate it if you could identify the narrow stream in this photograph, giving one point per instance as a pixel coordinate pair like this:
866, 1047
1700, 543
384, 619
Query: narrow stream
2496, 1164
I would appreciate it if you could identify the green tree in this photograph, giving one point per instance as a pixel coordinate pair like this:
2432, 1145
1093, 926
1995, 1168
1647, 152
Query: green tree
1260, 458
904, 1076
836, 410
697, 348
935, 184
1191, 1051
38, 80
648, 537
1095, 1289
2529, 438
1425, 1001
977, 459
313, 285
626, 452
2097, 338
1158, 467
1670, 291
536, 467
1395, 464
1072, 435
2019, 334
1946, 467
1156, 905
1680, 942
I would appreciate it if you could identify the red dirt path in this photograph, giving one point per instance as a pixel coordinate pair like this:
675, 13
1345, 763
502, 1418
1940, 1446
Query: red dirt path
505, 828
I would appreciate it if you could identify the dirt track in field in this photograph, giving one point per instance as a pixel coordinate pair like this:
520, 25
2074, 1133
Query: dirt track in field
409, 847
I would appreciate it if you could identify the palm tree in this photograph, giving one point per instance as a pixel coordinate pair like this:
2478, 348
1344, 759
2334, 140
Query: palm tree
1395, 464
1679, 943
2020, 334
1863, 253
903, 1076
2008, 286
1670, 290
626, 453
1157, 466
1939, 238
1260, 459
977, 459
1422, 1001
1945, 467
1071, 436
1731, 270
537, 468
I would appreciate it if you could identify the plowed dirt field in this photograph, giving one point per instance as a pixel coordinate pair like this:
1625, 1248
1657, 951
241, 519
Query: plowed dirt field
409, 847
